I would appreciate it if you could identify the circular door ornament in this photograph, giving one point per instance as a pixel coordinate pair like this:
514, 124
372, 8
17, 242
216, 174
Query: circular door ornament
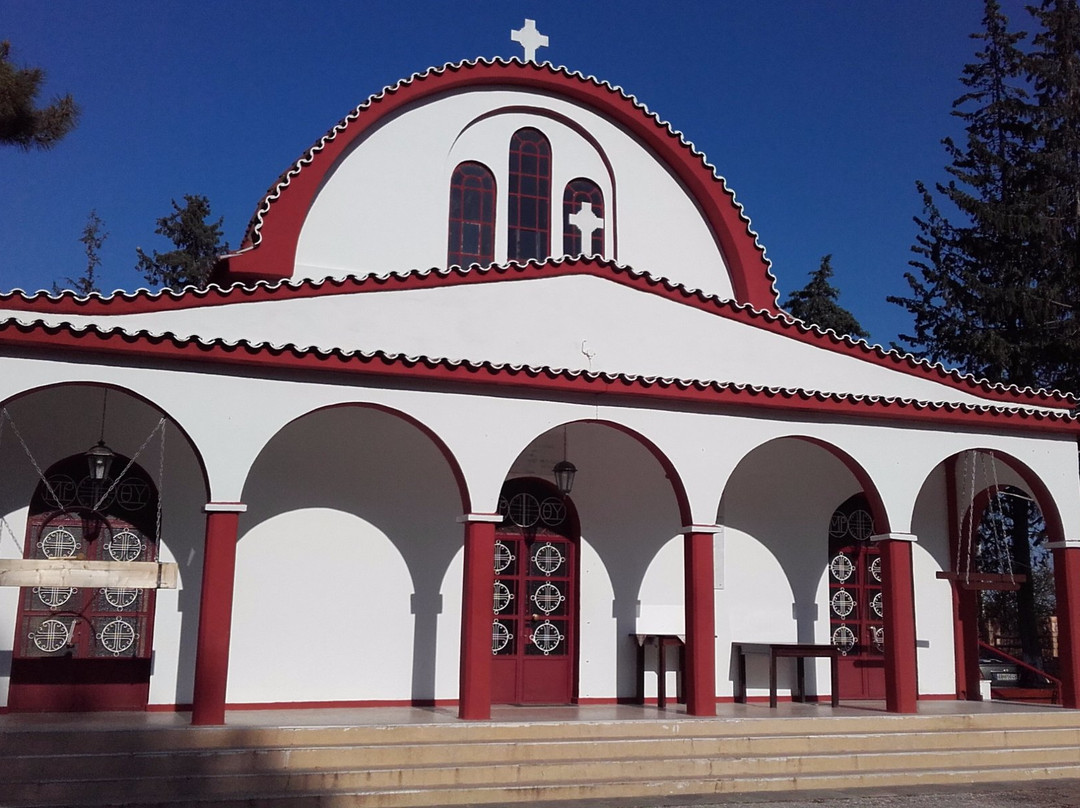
133, 494
838, 525
842, 603
503, 596
58, 543
51, 636
120, 597
860, 525
875, 569
844, 639
878, 637
117, 636
548, 559
54, 596
523, 510
63, 487
503, 557
546, 637
547, 598
841, 567
124, 546
876, 605
500, 637
552, 512
89, 491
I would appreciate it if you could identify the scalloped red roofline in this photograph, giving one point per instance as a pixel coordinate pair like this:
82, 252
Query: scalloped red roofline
169, 348
270, 254
146, 301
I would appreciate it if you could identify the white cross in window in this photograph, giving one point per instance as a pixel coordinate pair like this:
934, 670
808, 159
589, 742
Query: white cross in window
587, 223
530, 39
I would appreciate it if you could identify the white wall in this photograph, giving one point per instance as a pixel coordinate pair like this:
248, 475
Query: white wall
385, 206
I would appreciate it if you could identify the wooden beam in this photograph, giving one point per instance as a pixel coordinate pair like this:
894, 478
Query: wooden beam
984, 580
79, 573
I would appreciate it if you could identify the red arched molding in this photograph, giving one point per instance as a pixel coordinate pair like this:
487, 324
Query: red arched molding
472, 216
869, 489
444, 450
529, 197
269, 249
678, 489
582, 192
1055, 529
132, 394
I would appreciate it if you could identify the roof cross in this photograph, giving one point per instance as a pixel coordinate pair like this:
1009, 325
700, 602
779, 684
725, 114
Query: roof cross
530, 39
587, 223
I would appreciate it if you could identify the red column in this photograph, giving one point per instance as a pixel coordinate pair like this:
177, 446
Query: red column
1067, 588
901, 670
474, 684
215, 612
700, 672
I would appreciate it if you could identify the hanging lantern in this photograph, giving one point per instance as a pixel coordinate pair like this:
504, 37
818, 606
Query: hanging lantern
564, 472
99, 458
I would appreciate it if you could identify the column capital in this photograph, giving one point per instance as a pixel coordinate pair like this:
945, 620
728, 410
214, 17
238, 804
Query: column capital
909, 537
225, 507
493, 518
1067, 544
701, 529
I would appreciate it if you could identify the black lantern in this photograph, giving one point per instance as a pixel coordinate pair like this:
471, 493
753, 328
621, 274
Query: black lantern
564, 476
99, 458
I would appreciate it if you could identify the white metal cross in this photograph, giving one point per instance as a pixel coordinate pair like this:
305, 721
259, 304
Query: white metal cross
587, 223
530, 39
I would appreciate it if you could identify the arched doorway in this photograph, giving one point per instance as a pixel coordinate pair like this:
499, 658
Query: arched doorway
534, 632
87, 648
856, 622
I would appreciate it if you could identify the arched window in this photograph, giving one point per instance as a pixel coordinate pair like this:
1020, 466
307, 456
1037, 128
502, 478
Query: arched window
472, 216
583, 213
529, 196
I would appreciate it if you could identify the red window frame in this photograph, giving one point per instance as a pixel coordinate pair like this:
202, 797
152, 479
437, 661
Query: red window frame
472, 216
529, 196
578, 191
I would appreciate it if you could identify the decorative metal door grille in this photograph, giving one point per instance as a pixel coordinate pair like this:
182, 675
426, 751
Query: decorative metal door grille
855, 598
533, 599
90, 622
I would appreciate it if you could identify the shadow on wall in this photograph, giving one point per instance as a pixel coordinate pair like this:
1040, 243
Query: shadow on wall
351, 525
628, 512
776, 508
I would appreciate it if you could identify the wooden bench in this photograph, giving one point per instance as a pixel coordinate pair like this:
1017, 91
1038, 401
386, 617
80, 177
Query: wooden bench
800, 652
662, 643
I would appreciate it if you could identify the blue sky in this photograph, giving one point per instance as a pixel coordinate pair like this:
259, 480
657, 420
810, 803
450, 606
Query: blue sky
821, 114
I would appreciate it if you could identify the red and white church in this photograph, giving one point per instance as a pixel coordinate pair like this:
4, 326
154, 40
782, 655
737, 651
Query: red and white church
344, 474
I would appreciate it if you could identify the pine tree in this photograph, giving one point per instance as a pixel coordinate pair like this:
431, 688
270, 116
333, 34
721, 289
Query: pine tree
981, 297
197, 246
816, 303
92, 238
21, 123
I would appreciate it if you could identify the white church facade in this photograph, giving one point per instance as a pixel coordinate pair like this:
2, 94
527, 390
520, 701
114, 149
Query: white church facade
331, 476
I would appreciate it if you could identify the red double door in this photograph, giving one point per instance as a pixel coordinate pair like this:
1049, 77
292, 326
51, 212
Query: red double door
856, 601
86, 648
534, 603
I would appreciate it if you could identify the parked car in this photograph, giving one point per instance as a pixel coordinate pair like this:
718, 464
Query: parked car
1004, 671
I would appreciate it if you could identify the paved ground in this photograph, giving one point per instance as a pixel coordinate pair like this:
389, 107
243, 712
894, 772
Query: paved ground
1035, 794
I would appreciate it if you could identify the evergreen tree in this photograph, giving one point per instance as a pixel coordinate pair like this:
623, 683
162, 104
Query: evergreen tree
92, 238
197, 245
981, 298
816, 303
21, 123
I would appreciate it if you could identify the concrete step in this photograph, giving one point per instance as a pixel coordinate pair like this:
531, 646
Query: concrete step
100, 765
458, 763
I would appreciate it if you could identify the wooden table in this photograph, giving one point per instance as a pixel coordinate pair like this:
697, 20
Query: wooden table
662, 643
800, 651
